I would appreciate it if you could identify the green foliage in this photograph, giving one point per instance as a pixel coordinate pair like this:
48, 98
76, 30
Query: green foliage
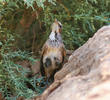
80, 19
13, 76
40, 3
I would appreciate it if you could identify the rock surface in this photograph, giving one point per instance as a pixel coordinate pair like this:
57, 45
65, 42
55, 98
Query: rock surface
1, 97
86, 75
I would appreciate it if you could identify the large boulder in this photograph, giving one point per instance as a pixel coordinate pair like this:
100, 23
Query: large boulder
86, 75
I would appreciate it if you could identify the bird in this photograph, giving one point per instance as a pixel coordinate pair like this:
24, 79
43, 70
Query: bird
53, 52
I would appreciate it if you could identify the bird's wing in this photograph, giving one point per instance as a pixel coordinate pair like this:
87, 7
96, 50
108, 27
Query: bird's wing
63, 50
45, 47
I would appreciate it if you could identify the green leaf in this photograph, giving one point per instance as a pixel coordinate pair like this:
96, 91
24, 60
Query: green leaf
0, 43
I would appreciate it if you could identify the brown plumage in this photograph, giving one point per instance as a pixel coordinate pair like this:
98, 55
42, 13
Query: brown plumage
53, 53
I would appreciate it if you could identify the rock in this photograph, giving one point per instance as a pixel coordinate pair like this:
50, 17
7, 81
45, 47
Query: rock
86, 75
99, 92
34, 68
90, 55
1, 97
20, 98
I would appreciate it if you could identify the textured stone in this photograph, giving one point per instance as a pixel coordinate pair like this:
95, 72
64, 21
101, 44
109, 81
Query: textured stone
86, 75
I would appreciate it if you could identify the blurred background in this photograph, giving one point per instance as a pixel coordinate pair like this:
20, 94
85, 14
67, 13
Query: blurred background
26, 24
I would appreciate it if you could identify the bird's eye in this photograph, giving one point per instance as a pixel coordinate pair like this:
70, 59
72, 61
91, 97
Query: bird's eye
60, 26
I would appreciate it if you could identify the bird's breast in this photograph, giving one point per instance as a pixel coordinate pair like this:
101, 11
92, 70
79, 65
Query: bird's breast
52, 52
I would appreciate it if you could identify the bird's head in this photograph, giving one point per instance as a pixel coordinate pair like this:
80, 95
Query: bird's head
56, 26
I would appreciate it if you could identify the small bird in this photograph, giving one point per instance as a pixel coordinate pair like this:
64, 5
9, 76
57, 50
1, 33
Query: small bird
53, 53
